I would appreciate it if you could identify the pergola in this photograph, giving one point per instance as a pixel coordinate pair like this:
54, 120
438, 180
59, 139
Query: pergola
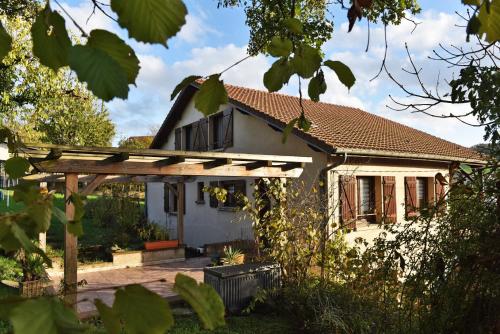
96, 165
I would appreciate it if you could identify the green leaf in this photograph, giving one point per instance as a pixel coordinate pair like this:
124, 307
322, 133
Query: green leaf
288, 129
41, 213
473, 26
5, 42
20, 235
142, 310
203, 299
490, 21
211, 96
306, 61
16, 167
278, 75
104, 75
303, 123
118, 50
317, 86
59, 215
183, 84
109, 317
45, 316
280, 47
343, 72
466, 168
75, 226
471, 2
293, 25
51, 42
150, 21
8, 303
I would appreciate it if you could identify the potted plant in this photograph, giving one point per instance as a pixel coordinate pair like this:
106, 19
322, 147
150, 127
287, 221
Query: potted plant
26, 276
156, 237
232, 256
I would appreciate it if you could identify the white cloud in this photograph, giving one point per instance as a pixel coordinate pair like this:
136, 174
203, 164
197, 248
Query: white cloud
87, 18
195, 29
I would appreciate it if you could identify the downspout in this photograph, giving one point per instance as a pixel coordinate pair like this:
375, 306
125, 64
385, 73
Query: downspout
324, 228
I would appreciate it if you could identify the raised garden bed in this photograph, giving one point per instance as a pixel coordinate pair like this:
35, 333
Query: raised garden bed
148, 257
25, 289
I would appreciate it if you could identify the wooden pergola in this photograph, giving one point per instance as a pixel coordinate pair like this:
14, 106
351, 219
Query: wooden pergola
97, 165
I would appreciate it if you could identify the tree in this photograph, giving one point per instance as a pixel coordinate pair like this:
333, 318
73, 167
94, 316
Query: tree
136, 142
46, 106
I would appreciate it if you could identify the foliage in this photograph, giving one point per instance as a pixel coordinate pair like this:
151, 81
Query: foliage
232, 256
10, 269
137, 142
150, 231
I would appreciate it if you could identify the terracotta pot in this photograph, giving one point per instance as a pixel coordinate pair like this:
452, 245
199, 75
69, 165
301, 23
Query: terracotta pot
162, 244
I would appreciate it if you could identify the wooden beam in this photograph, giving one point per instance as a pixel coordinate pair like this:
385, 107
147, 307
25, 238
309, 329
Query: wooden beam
172, 189
96, 182
292, 165
180, 212
70, 246
54, 154
217, 163
170, 161
148, 168
259, 164
118, 157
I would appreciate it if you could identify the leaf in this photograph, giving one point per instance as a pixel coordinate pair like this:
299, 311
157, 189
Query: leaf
280, 47
75, 226
41, 213
293, 25
139, 307
8, 303
343, 72
490, 21
109, 317
51, 42
115, 47
16, 167
59, 215
45, 316
211, 96
150, 21
19, 234
303, 123
203, 299
466, 168
5, 42
278, 75
306, 61
317, 86
288, 129
104, 76
183, 84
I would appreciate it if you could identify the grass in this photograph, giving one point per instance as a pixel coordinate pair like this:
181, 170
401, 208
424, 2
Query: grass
251, 324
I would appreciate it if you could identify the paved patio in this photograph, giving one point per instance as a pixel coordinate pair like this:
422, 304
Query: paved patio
158, 278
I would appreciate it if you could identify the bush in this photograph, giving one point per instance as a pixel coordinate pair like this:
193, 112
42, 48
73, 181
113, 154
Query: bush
10, 269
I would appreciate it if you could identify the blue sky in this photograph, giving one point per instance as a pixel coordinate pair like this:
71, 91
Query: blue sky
214, 38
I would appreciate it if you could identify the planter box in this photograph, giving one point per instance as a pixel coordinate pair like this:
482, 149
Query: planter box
148, 257
163, 244
238, 284
25, 289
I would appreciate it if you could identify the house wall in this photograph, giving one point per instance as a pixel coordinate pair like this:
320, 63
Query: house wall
203, 224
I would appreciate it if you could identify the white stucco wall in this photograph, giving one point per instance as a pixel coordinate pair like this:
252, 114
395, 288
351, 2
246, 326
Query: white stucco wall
4, 152
203, 224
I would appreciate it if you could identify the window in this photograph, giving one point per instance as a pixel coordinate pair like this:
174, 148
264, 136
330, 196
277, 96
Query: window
178, 139
235, 189
170, 198
221, 129
421, 185
188, 140
200, 197
217, 131
366, 198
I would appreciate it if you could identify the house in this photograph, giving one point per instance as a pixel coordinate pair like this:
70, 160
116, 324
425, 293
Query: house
373, 168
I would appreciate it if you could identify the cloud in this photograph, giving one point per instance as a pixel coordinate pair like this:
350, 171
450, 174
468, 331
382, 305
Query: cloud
195, 29
87, 18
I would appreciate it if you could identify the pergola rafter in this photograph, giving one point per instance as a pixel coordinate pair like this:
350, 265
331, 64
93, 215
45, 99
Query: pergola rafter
97, 165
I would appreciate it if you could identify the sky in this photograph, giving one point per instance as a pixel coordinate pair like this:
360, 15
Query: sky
214, 38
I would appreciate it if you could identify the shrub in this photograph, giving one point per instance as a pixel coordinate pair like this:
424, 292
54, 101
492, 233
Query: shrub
10, 269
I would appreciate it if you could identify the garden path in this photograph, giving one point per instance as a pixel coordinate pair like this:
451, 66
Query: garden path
158, 278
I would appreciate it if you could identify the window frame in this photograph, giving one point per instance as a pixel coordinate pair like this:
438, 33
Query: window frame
421, 202
200, 193
371, 216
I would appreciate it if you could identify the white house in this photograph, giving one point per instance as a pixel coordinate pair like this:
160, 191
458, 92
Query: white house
373, 167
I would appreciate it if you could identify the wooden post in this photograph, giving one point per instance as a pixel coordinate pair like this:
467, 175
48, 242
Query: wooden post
180, 212
70, 245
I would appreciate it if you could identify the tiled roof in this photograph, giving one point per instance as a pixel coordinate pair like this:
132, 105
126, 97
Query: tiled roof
341, 127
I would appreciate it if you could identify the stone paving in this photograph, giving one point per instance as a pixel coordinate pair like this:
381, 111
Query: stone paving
102, 284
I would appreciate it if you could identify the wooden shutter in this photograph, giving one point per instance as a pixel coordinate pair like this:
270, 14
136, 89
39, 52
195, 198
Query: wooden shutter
410, 195
227, 126
440, 193
389, 193
166, 197
348, 201
178, 139
195, 142
214, 203
431, 194
203, 134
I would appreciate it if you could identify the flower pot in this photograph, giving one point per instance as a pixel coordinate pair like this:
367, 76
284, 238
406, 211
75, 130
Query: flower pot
162, 244
32, 288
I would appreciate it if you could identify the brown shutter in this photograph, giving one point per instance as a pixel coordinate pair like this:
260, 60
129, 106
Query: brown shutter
440, 193
178, 139
166, 197
431, 195
214, 203
348, 201
195, 142
227, 126
410, 195
203, 134
389, 190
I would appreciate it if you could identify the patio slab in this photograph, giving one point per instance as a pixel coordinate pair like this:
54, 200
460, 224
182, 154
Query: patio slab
158, 278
